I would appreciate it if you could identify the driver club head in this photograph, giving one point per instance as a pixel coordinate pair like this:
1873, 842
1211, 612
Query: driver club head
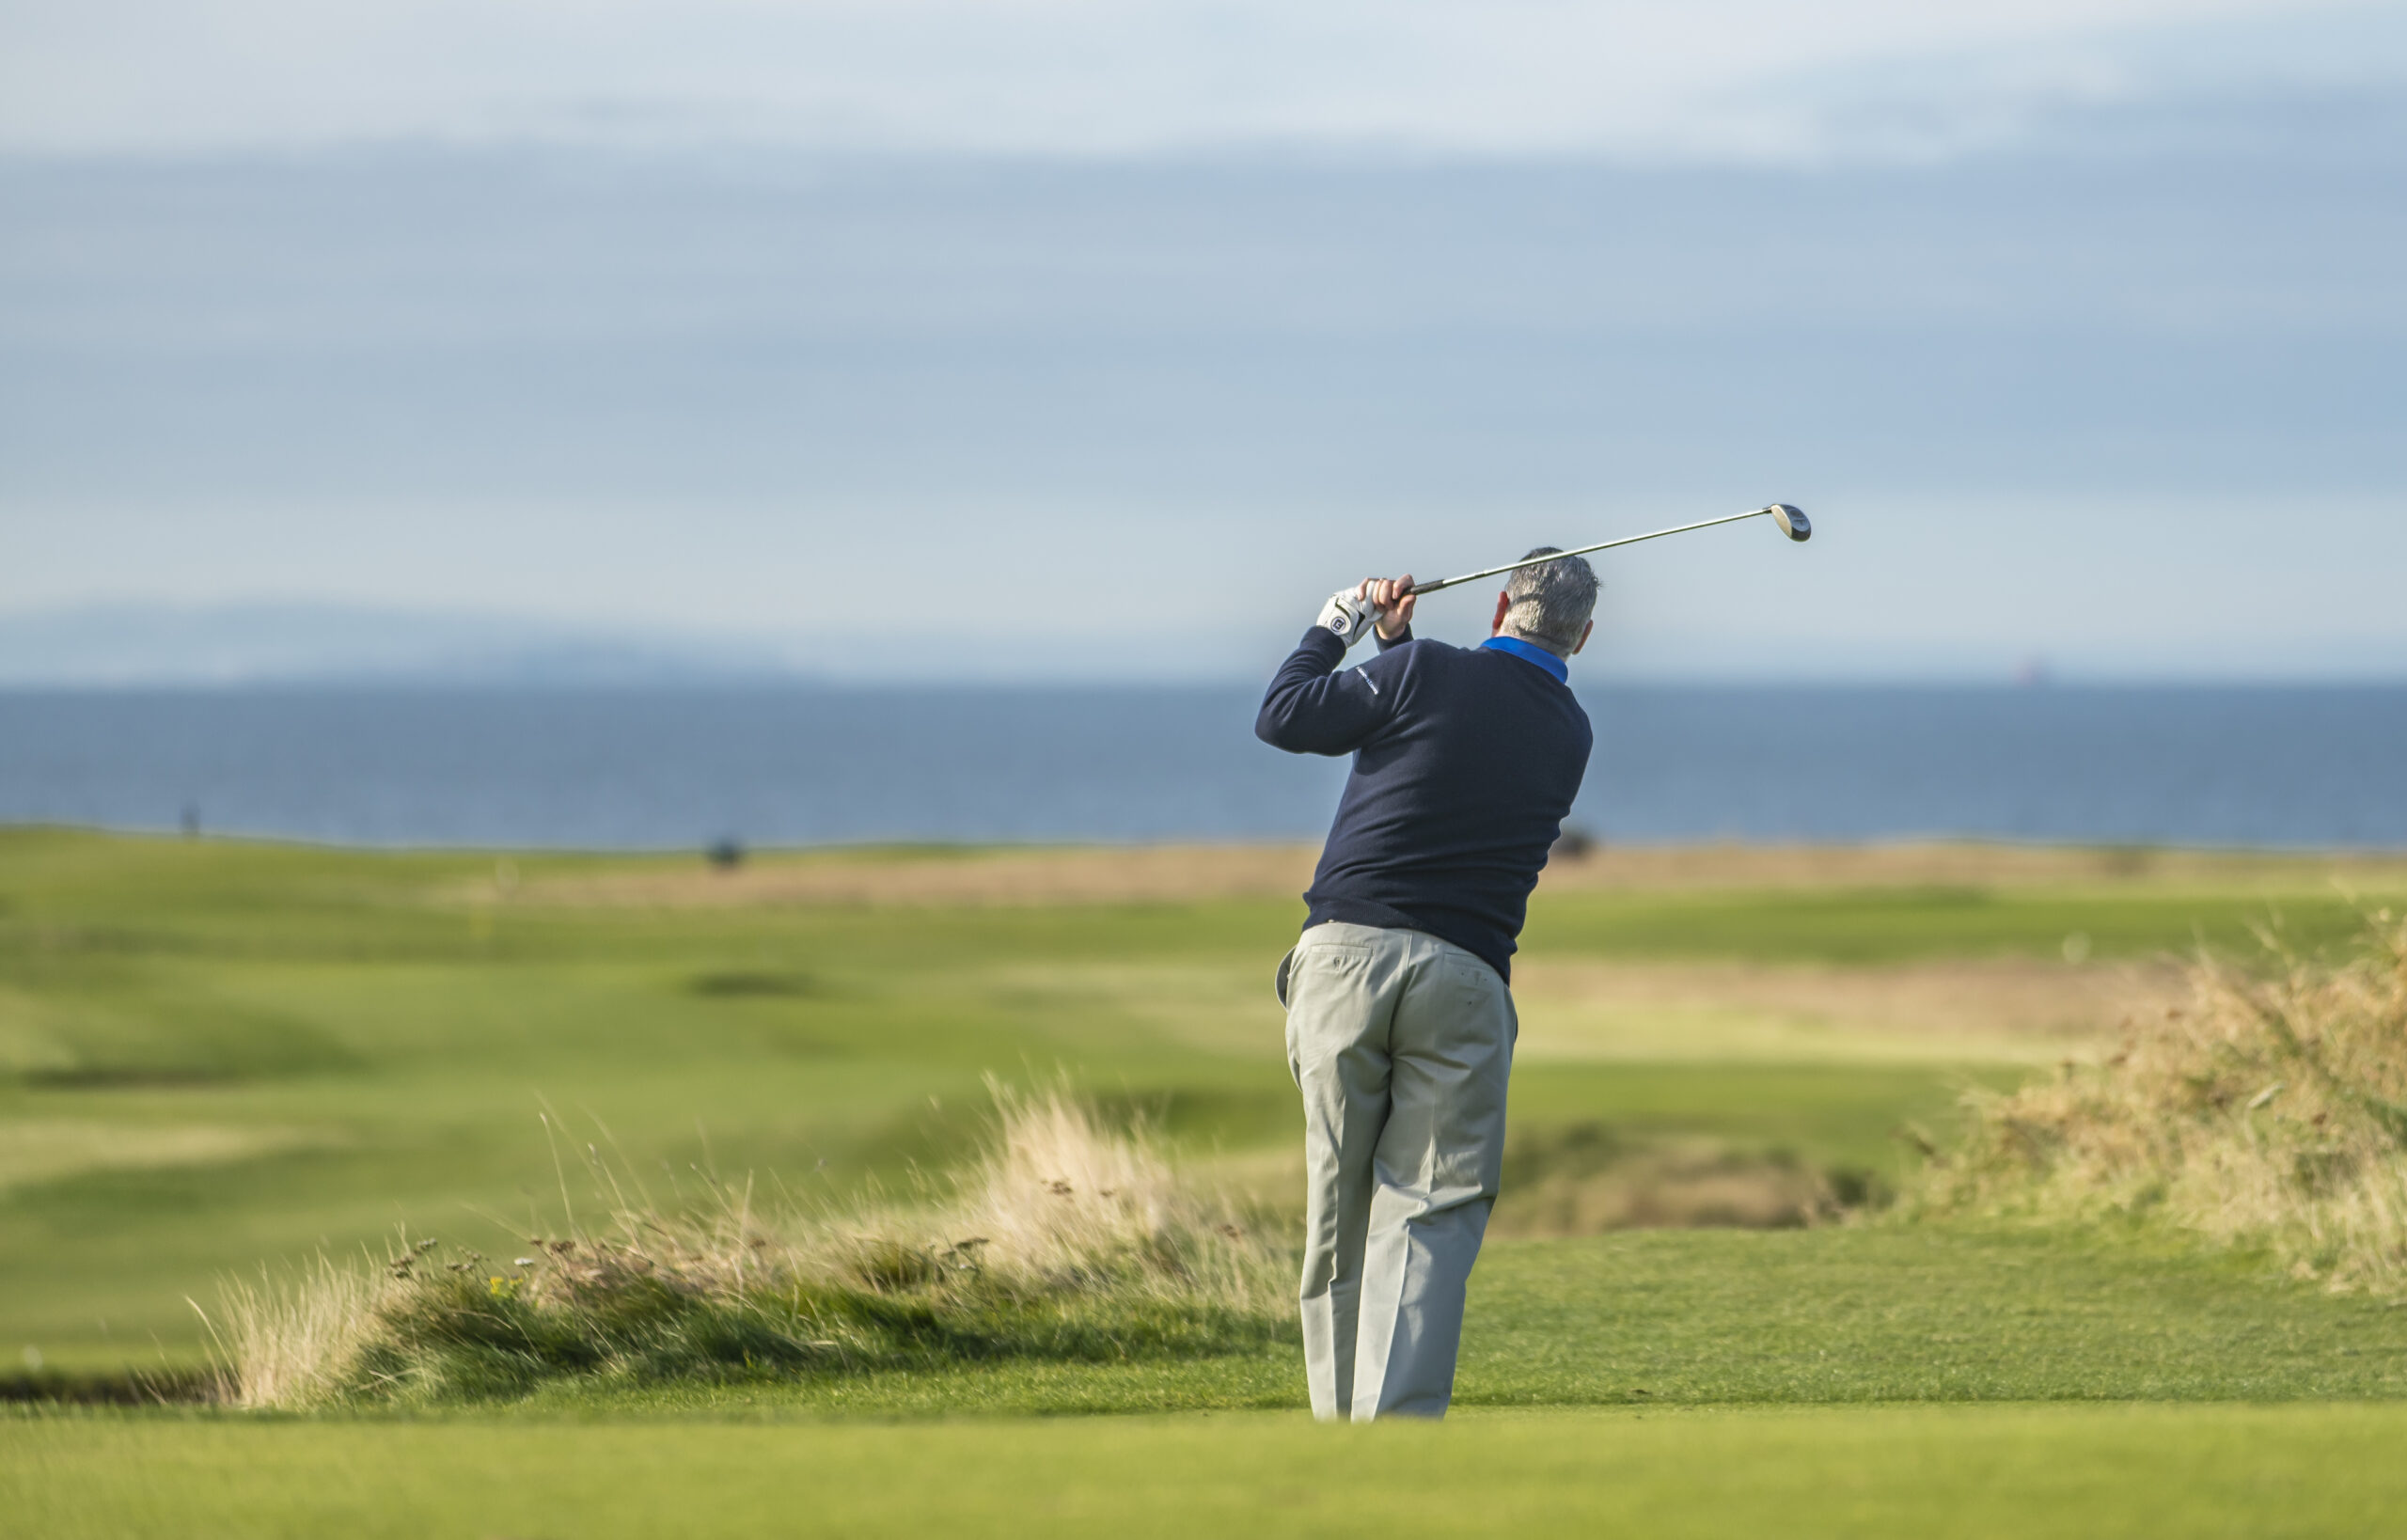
1791, 520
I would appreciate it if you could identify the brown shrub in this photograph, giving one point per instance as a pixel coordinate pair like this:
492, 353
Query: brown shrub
2268, 1111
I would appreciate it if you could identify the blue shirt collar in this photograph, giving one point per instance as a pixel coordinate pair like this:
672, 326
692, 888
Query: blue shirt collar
1531, 653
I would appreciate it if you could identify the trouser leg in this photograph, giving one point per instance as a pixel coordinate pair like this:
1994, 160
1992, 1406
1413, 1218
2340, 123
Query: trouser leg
1436, 1171
1340, 993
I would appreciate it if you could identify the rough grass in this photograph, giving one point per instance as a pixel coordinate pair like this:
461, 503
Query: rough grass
2268, 1113
1065, 1241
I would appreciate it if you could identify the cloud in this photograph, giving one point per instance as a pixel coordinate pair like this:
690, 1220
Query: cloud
1659, 80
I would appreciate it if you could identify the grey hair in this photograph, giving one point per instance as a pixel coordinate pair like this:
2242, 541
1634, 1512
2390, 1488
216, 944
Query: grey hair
1551, 601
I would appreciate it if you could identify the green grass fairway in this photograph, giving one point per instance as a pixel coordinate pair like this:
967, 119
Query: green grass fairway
216, 1054
2084, 1474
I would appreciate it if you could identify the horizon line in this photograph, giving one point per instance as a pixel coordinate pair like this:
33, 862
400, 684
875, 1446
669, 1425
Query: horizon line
804, 681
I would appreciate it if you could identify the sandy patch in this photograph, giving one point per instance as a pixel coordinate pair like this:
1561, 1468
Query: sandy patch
48, 1149
2010, 1012
1221, 1009
1136, 874
1933, 864
1573, 1011
1192, 874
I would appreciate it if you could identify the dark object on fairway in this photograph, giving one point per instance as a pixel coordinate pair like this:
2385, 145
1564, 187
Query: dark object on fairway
725, 855
753, 983
1790, 518
1573, 845
192, 821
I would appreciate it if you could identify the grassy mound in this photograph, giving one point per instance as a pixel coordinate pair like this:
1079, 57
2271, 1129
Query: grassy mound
2268, 1113
1066, 1241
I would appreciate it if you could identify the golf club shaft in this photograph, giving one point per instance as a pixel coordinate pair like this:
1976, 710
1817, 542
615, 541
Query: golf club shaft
1419, 588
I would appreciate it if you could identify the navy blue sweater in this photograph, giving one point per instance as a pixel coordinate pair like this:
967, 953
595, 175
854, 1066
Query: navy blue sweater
1465, 764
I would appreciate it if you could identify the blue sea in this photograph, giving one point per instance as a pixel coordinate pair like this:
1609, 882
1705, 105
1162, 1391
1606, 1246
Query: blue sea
681, 767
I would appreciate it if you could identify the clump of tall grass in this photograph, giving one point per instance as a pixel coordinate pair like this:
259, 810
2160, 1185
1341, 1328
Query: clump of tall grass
1066, 1240
289, 1342
2269, 1112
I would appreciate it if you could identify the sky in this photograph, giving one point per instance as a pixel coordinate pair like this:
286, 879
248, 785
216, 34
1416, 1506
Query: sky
1007, 340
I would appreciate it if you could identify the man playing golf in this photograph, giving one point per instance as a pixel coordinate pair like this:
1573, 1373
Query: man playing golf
1400, 1028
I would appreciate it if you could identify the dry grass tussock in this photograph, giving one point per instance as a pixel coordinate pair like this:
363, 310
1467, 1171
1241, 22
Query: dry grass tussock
1589, 1179
1067, 1240
287, 1342
2266, 1112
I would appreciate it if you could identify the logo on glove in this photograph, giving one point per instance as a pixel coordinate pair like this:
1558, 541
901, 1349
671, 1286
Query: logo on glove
1347, 616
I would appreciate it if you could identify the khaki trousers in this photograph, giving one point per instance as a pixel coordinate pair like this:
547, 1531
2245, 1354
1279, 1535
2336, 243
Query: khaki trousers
1401, 1044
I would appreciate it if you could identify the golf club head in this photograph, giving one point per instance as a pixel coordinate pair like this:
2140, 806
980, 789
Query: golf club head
1791, 520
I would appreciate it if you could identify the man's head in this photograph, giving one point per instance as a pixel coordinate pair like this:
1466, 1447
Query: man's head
1550, 605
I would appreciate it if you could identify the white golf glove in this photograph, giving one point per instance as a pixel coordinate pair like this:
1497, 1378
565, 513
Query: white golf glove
1349, 617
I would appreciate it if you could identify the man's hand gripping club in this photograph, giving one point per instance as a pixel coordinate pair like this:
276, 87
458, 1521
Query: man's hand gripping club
1384, 602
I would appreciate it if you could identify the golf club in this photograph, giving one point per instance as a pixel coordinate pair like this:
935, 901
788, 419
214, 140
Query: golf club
1791, 520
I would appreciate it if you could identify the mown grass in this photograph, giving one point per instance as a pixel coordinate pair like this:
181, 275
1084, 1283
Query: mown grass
1911, 1314
2096, 1473
1750, 1384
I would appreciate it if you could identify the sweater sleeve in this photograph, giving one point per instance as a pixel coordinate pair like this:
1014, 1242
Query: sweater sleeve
1312, 709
